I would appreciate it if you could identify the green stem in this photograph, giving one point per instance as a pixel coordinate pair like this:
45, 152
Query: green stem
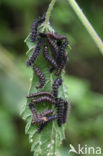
86, 24
48, 13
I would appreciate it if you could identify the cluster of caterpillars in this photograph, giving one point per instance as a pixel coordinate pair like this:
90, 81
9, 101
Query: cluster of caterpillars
58, 44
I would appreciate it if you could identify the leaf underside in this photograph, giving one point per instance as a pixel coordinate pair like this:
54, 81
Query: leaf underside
48, 141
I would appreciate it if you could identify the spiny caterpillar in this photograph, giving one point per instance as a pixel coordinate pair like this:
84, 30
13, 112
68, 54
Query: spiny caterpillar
56, 85
48, 58
41, 126
57, 59
43, 117
54, 46
55, 36
60, 68
44, 99
66, 107
40, 94
60, 111
62, 51
40, 75
35, 26
36, 52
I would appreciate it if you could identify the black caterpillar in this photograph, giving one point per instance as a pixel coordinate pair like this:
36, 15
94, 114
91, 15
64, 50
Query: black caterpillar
34, 112
44, 99
36, 52
60, 111
41, 126
62, 51
55, 36
62, 65
54, 46
60, 68
56, 85
48, 58
66, 107
35, 26
47, 112
58, 44
40, 75
41, 94
39, 118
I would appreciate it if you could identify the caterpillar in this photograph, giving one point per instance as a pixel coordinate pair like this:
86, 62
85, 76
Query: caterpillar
36, 118
62, 51
42, 35
41, 94
40, 75
43, 117
48, 58
44, 99
54, 46
60, 68
56, 85
55, 36
59, 43
41, 126
66, 104
47, 112
60, 111
39, 118
34, 112
35, 26
36, 52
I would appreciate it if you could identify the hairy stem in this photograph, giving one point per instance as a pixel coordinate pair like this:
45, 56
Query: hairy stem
48, 13
86, 24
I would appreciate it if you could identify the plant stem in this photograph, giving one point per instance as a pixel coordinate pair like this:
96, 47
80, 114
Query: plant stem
48, 13
86, 24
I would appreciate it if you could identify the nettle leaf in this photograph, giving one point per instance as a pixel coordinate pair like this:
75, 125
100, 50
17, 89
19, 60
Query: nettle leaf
49, 140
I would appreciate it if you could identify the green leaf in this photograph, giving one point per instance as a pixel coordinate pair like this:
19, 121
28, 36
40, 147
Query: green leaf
49, 140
